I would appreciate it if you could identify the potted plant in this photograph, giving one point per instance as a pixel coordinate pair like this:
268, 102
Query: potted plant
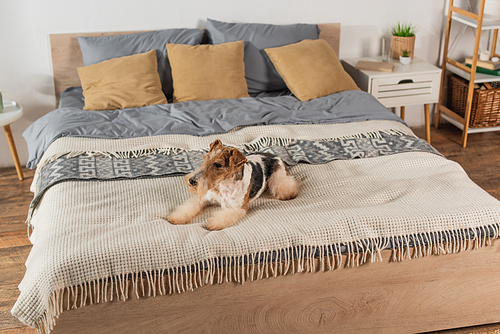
405, 58
403, 38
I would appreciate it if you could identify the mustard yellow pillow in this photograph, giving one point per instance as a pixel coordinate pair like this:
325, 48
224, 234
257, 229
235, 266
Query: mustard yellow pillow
207, 72
310, 69
125, 82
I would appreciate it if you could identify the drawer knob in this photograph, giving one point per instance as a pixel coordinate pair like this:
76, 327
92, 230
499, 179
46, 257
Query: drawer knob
405, 81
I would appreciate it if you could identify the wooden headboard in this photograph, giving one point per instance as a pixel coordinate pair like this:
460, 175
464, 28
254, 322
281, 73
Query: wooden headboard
66, 54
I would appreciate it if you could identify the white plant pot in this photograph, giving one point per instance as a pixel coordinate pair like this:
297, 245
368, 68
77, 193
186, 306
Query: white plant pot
404, 60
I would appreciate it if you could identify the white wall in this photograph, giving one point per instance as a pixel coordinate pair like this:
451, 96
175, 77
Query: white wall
25, 63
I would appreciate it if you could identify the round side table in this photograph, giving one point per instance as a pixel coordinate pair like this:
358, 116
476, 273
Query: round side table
12, 111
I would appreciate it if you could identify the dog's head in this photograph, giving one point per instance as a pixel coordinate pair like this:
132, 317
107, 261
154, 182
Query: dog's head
221, 163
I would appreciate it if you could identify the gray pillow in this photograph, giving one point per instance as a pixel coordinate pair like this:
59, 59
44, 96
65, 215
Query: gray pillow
97, 49
260, 72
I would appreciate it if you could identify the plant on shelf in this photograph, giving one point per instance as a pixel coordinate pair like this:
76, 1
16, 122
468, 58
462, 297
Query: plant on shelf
405, 58
403, 38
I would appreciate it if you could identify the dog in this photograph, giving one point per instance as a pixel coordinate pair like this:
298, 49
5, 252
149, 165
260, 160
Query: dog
233, 180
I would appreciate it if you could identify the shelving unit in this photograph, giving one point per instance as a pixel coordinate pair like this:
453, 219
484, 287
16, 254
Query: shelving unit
477, 22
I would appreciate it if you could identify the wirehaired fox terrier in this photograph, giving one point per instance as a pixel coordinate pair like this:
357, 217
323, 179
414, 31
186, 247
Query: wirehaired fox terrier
233, 180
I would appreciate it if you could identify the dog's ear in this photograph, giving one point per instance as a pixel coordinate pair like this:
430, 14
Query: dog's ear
237, 159
215, 145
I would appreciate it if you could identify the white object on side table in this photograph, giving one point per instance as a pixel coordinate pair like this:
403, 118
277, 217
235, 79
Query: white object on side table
12, 111
416, 83
404, 60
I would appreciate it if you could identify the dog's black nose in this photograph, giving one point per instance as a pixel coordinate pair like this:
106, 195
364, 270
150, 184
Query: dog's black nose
193, 182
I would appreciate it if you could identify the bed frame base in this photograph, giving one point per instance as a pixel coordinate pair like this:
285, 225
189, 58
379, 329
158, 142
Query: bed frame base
412, 296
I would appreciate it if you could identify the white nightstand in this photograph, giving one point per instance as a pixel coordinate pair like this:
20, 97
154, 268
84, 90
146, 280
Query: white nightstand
12, 112
417, 83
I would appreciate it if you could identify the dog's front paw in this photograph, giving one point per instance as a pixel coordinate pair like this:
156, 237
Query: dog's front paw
216, 224
225, 218
178, 219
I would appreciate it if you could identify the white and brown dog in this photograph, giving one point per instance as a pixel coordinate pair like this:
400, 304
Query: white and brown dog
233, 180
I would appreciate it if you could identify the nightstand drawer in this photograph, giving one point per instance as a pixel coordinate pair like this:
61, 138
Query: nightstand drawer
406, 89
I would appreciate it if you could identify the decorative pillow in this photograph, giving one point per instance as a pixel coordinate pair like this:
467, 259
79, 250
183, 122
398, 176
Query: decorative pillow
208, 72
97, 49
260, 73
126, 82
311, 69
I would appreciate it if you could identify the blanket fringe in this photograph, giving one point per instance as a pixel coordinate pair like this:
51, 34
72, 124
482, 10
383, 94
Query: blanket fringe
265, 142
120, 155
260, 265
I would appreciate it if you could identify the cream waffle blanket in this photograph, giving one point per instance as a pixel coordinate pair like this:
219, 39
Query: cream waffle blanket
89, 236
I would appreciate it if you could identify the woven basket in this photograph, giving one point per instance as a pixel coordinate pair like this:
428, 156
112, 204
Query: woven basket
485, 109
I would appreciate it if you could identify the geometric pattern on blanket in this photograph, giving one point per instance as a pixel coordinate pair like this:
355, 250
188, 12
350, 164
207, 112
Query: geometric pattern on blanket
105, 167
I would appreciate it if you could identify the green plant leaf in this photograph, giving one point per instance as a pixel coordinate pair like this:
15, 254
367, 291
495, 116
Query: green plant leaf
403, 30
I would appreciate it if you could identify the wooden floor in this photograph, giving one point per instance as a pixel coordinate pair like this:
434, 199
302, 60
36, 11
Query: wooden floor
481, 160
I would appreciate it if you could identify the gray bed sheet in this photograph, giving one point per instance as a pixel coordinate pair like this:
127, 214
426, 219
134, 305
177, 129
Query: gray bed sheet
199, 118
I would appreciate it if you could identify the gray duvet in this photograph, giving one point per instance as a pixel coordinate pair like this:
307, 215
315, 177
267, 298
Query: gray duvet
198, 118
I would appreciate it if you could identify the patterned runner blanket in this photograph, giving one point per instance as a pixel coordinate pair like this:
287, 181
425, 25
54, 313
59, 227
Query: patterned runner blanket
105, 167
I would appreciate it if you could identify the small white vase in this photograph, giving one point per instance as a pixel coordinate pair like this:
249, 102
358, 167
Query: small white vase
404, 60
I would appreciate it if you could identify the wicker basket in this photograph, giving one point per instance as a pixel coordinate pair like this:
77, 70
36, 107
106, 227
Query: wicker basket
485, 109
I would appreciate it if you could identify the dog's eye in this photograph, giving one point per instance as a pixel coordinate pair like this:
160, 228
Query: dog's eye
217, 165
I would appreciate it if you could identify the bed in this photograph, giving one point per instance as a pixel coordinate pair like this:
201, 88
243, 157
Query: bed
385, 236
